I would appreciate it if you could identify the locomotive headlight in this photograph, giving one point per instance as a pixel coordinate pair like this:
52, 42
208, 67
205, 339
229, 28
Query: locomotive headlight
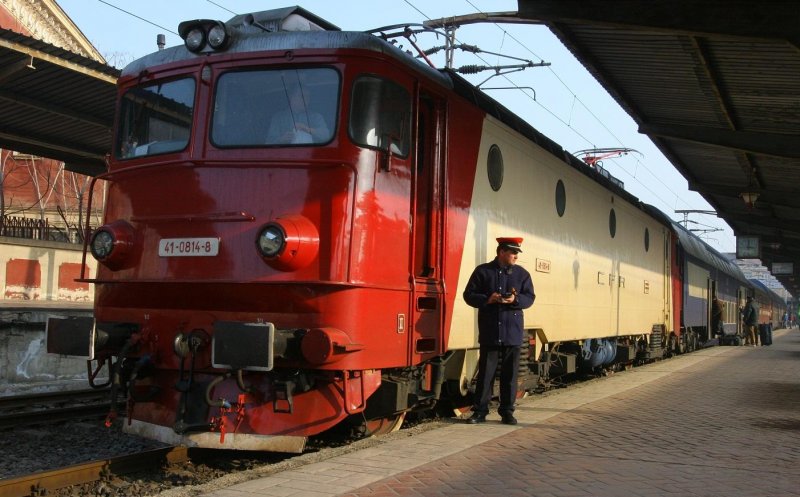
102, 244
218, 36
272, 240
114, 245
195, 39
289, 243
196, 34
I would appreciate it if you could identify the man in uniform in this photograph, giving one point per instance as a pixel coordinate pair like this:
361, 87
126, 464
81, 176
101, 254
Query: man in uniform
500, 290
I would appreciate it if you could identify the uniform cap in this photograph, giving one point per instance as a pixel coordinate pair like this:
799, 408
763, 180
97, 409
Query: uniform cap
510, 243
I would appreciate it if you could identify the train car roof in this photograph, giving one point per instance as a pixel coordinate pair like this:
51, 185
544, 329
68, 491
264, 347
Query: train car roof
760, 287
698, 249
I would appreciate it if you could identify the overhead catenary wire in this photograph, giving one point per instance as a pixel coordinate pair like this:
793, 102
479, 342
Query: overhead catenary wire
136, 16
677, 196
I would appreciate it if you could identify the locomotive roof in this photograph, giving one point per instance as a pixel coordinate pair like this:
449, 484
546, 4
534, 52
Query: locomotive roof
314, 33
520, 125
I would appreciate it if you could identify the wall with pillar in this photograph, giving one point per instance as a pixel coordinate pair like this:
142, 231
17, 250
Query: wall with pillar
36, 270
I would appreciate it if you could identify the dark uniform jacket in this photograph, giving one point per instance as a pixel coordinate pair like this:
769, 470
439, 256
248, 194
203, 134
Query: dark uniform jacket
499, 324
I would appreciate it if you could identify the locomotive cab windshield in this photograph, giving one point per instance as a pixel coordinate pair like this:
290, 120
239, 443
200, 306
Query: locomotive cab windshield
380, 114
266, 108
155, 118
275, 107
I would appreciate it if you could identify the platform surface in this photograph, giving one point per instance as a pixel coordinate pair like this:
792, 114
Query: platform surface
722, 421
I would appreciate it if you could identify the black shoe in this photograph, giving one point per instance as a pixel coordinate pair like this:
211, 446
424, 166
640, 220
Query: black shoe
509, 419
476, 418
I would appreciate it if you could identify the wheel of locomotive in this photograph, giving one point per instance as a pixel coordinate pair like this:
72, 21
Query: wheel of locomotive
672, 346
380, 426
452, 402
524, 368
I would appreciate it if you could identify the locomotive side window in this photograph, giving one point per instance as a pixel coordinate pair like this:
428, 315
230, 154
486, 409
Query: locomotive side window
275, 107
646, 240
612, 223
494, 167
380, 115
561, 198
155, 119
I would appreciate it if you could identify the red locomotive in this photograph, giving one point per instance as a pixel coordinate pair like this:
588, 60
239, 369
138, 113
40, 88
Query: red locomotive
292, 214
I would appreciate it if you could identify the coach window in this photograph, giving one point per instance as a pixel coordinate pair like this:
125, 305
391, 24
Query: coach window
155, 119
286, 107
646, 240
380, 115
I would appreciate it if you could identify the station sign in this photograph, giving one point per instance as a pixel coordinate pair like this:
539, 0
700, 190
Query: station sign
782, 268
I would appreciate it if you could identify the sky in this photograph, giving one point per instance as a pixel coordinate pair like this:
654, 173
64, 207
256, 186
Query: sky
566, 104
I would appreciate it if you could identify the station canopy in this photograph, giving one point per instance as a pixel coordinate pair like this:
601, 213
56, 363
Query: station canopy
715, 84
55, 103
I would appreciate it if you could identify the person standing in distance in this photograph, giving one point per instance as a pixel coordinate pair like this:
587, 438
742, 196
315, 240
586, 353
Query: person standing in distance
750, 318
500, 290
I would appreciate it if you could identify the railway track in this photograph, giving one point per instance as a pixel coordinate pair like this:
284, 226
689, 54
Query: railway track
49, 481
32, 409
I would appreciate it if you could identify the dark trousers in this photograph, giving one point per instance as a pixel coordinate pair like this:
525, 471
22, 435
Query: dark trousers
491, 356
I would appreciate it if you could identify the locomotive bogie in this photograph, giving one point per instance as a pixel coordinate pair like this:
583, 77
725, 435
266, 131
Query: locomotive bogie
269, 417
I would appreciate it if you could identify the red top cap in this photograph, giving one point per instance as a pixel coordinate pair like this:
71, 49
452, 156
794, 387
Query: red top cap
510, 243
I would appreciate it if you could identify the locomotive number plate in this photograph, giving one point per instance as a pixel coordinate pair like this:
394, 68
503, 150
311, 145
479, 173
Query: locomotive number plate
188, 247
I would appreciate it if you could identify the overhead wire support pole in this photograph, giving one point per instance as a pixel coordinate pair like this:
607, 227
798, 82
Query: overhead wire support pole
450, 38
451, 24
686, 213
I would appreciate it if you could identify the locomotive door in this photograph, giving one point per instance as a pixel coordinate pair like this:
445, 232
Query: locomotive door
427, 298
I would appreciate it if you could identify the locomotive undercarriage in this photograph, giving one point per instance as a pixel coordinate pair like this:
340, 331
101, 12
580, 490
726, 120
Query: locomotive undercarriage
231, 405
563, 362
244, 396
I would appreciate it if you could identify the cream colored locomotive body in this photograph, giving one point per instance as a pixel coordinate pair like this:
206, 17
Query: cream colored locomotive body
588, 283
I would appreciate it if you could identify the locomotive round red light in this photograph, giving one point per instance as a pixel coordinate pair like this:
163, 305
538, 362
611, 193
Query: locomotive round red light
289, 243
112, 244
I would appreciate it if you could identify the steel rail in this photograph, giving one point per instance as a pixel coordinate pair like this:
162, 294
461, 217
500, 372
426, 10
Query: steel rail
49, 481
14, 401
42, 416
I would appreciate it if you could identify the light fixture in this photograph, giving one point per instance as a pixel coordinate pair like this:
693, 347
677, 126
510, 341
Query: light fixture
749, 198
31, 66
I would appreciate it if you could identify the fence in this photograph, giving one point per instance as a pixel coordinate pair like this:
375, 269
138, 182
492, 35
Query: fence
37, 229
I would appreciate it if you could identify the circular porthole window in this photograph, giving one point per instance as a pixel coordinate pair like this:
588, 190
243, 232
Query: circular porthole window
561, 198
494, 166
646, 240
612, 223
